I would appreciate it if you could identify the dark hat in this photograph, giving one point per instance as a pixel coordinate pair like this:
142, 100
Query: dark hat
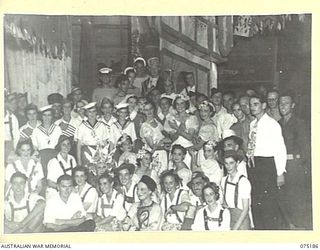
231, 153
31, 106
288, 92
149, 182
215, 90
128, 166
197, 174
62, 138
55, 98
66, 100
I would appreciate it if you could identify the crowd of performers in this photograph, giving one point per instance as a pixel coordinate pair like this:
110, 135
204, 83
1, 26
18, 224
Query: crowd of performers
139, 156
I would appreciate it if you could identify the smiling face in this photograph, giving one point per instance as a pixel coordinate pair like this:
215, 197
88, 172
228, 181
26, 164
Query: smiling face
205, 112
197, 185
105, 78
80, 178
80, 108
228, 100
209, 196
92, 113
127, 146
217, 99
177, 155
65, 146
244, 104
143, 191
133, 102
180, 105
25, 151
106, 108
273, 100
77, 95
47, 117
32, 115
165, 105
236, 110
148, 110
18, 186
208, 152
170, 186
124, 85
123, 114
125, 177
105, 185
146, 160
139, 67
286, 105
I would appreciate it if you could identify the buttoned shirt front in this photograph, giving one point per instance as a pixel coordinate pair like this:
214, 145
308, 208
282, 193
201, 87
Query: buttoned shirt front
43, 139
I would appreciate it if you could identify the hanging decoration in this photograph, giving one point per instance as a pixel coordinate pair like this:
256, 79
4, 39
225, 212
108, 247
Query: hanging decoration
248, 26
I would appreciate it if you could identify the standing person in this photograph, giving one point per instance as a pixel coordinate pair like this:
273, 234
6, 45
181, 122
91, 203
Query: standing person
123, 125
298, 176
267, 158
26, 130
190, 84
23, 210
244, 102
130, 72
222, 119
151, 135
87, 193
107, 117
55, 99
273, 104
65, 212
63, 163
45, 137
236, 192
122, 85
140, 65
155, 80
11, 125
105, 88
128, 187
22, 102
228, 100
144, 215
175, 201
110, 208
28, 166
79, 111
90, 134
212, 217
242, 126
169, 89
76, 94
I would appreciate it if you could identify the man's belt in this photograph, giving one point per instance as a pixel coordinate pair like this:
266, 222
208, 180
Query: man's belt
293, 157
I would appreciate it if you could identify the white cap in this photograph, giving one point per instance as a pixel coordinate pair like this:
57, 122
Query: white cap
105, 70
45, 108
122, 105
185, 98
207, 103
140, 59
153, 60
127, 69
75, 89
167, 96
227, 133
90, 105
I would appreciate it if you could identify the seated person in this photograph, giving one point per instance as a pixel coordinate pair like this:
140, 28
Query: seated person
64, 212
144, 215
88, 194
110, 210
23, 211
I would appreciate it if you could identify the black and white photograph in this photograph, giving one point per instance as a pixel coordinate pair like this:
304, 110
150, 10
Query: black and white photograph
116, 123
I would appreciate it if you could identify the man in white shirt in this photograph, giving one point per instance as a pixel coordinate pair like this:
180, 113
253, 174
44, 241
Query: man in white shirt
267, 157
64, 212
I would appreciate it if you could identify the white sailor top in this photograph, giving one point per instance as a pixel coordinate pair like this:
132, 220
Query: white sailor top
68, 128
130, 196
91, 135
34, 172
235, 190
89, 194
57, 166
114, 207
218, 220
43, 139
26, 130
17, 212
179, 197
117, 131
108, 123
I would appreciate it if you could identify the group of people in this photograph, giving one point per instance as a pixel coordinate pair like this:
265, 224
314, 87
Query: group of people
139, 156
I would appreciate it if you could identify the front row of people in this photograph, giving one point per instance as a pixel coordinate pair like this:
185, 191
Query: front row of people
118, 203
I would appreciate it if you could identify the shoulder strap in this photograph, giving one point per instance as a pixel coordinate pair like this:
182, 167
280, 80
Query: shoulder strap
205, 219
12, 211
225, 190
221, 217
236, 192
86, 193
177, 202
30, 177
15, 166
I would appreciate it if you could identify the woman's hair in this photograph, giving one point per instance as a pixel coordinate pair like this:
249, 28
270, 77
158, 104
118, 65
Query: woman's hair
107, 176
123, 138
178, 146
174, 104
80, 169
121, 79
104, 101
150, 102
141, 154
41, 114
171, 173
24, 142
215, 189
